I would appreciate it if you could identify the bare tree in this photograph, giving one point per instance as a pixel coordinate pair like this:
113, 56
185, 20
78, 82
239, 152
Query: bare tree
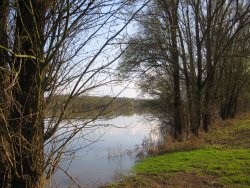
187, 44
156, 54
48, 48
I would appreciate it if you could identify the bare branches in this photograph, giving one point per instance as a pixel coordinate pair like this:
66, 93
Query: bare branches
207, 33
49, 48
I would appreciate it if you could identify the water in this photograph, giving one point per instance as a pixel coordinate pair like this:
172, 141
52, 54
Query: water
115, 150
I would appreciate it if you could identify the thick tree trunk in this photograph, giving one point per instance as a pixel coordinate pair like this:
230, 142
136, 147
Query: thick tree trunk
176, 74
177, 105
198, 87
210, 75
27, 124
26, 114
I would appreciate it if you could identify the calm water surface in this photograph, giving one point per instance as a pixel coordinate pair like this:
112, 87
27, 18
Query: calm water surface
117, 143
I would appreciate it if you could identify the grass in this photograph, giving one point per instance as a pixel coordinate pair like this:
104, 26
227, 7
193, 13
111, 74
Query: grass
231, 166
221, 159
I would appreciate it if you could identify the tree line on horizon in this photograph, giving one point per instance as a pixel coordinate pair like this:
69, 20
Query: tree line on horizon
88, 106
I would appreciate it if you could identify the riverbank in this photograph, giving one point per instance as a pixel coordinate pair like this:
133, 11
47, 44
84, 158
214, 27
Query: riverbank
220, 158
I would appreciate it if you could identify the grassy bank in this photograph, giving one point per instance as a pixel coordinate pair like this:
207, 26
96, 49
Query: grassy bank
220, 158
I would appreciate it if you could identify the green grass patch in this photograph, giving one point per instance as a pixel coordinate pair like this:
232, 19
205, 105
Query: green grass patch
231, 166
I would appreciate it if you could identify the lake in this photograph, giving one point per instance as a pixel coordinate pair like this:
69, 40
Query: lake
117, 144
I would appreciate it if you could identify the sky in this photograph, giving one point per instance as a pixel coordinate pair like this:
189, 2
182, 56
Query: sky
125, 89
87, 64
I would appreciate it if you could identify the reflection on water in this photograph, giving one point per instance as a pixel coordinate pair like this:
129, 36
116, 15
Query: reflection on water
112, 154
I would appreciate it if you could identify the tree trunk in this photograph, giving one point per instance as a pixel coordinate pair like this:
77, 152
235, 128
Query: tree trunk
198, 87
176, 74
26, 114
210, 75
